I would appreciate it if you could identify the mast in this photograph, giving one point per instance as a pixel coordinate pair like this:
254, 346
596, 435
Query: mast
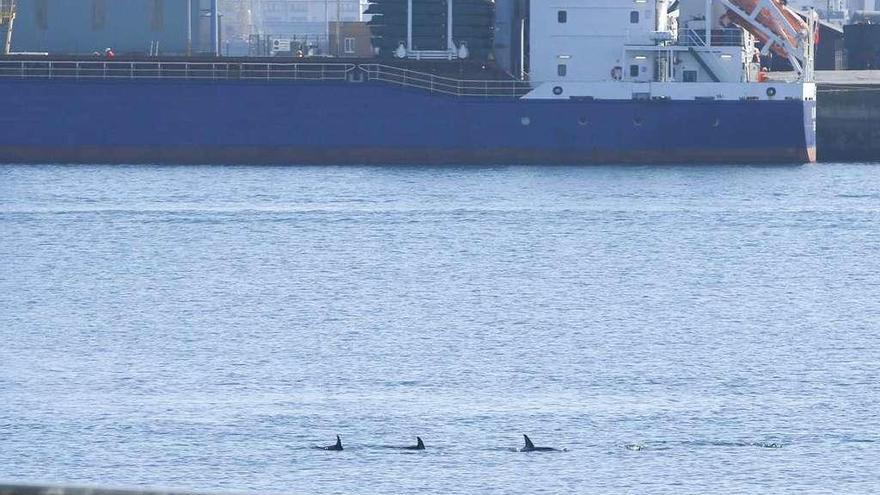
189, 28
450, 43
708, 23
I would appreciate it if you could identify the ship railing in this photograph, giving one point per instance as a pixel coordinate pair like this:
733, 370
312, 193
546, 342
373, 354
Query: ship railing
43, 69
445, 85
720, 37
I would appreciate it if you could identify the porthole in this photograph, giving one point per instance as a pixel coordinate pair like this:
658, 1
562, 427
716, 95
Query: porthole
638, 121
557, 90
582, 120
716, 122
525, 121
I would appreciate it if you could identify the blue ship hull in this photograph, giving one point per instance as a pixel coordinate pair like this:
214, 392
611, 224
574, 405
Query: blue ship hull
338, 122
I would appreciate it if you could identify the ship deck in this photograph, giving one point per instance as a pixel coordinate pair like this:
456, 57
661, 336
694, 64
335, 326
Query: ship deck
467, 70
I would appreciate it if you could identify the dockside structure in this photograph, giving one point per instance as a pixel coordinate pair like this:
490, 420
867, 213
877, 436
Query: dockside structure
135, 27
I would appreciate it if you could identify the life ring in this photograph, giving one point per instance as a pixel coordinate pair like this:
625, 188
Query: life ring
771, 92
617, 73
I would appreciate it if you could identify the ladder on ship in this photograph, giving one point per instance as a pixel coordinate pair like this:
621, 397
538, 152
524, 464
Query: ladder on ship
703, 64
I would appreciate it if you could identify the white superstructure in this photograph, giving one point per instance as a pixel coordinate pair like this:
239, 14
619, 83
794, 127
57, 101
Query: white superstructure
645, 49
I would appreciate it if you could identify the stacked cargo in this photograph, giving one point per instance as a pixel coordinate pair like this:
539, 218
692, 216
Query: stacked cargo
472, 24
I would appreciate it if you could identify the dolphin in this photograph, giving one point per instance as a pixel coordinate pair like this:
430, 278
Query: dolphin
530, 447
419, 446
337, 446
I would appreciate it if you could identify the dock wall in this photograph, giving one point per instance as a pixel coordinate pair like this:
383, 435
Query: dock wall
848, 123
11, 489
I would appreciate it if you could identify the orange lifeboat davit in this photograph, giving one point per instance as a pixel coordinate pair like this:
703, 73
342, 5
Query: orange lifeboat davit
774, 17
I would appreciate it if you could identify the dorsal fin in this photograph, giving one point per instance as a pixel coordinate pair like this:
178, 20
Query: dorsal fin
338, 442
529, 444
421, 444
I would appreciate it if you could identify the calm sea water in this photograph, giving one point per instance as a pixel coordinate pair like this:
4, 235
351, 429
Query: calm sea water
676, 329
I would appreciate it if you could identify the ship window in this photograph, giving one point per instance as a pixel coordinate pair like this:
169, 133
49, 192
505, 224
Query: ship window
562, 16
689, 76
562, 70
633, 71
634, 17
42, 12
99, 14
349, 45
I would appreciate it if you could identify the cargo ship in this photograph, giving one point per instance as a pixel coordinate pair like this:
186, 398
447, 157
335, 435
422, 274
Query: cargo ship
599, 81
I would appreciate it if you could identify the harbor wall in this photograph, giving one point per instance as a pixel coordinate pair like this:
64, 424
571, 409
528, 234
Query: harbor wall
12, 489
848, 121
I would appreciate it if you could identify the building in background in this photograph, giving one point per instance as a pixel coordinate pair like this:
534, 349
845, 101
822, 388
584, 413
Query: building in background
838, 12
308, 23
287, 17
351, 40
128, 27
864, 5
863, 41
306, 16
239, 21
7, 21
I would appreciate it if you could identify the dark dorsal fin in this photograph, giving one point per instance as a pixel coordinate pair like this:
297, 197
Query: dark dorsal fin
338, 442
529, 444
421, 444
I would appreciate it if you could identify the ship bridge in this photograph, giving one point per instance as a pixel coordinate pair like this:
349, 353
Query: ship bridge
668, 49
